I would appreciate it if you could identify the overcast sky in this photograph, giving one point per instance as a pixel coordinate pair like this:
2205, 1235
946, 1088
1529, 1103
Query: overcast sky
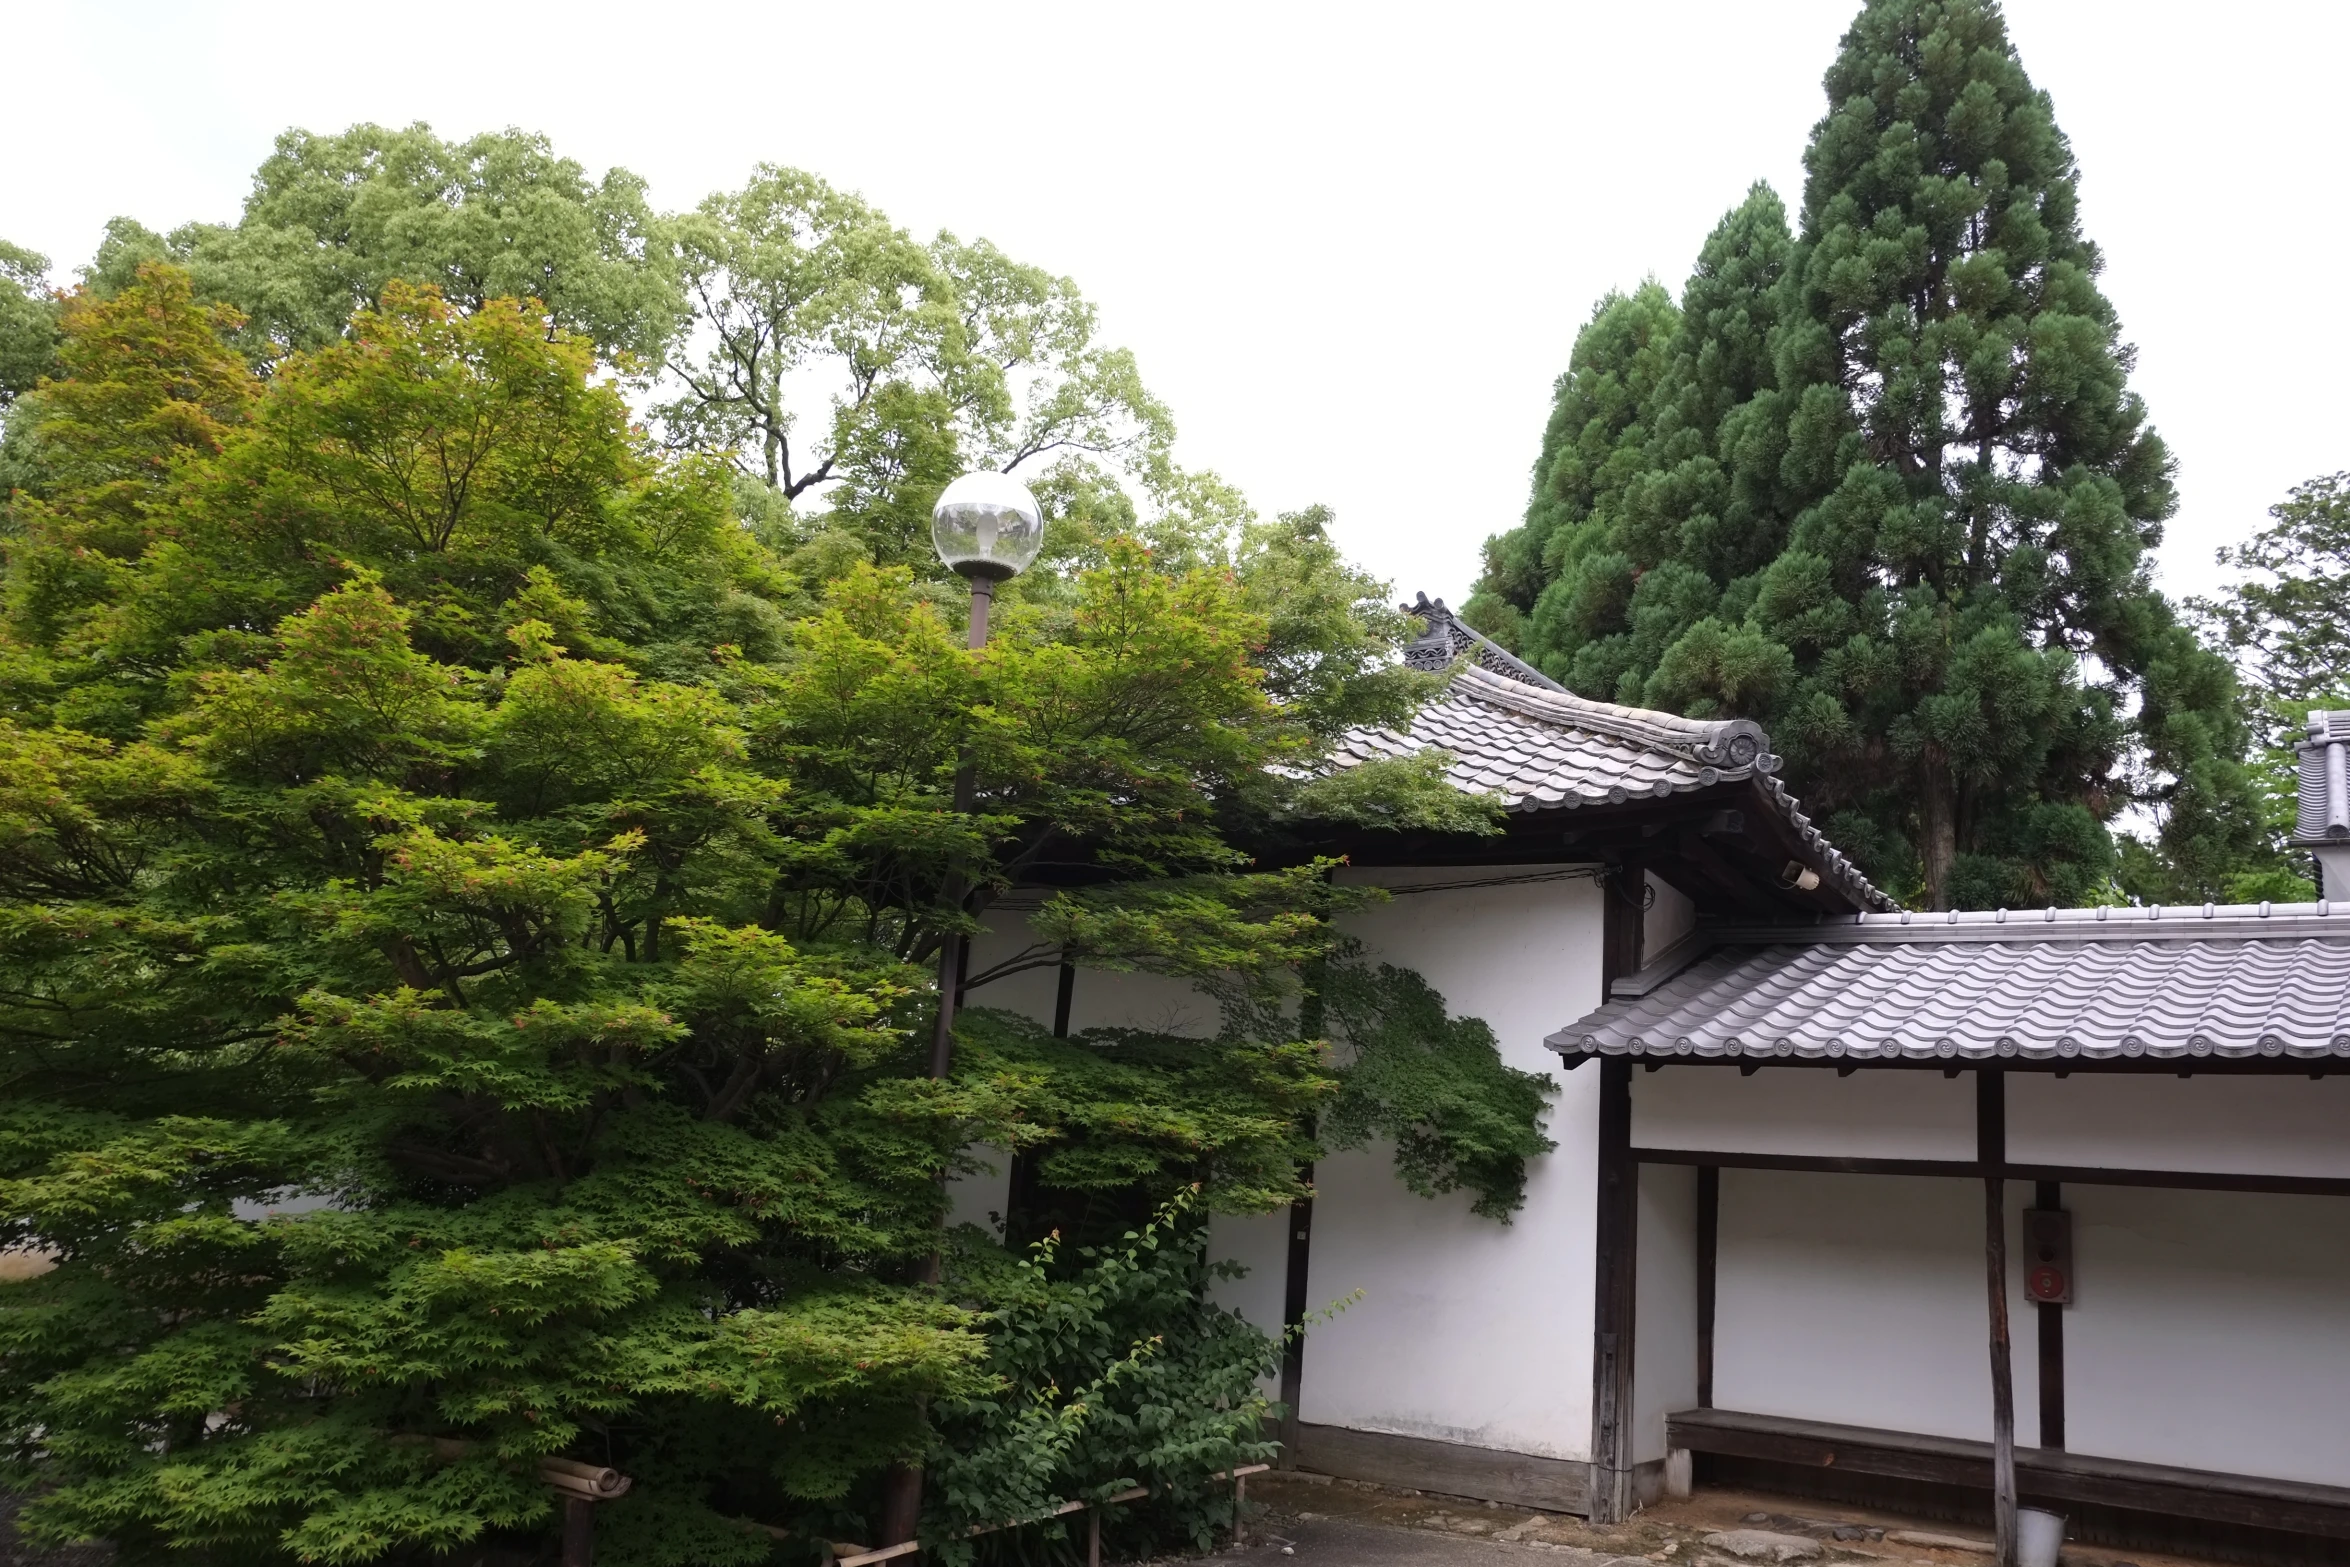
1350, 244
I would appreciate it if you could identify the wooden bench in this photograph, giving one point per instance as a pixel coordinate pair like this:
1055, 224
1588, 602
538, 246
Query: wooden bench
2042, 1475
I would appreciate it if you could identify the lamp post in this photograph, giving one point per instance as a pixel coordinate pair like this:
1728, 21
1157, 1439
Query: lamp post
987, 528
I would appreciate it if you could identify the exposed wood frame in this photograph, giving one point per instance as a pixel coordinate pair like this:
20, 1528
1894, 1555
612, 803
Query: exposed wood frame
1970, 1169
2043, 1475
1446, 1468
1615, 1275
1293, 1317
1063, 994
1709, 1250
1991, 1154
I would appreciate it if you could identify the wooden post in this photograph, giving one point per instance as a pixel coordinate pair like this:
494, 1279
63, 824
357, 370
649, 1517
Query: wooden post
1709, 1230
579, 1532
1093, 1537
1062, 998
1991, 1151
2049, 1195
1614, 1297
1239, 1511
1293, 1317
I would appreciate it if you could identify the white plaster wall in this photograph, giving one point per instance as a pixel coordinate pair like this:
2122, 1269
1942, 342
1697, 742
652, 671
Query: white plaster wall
1670, 917
1258, 1242
1860, 1299
1100, 998
1664, 1331
1807, 1110
982, 1195
2144, 1121
2210, 1330
1468, 1330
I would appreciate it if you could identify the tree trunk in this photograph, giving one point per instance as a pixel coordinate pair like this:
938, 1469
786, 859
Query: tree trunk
1937, 825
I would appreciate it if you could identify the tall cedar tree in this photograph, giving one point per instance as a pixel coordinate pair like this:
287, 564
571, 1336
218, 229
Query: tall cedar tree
464, 982
1882, 485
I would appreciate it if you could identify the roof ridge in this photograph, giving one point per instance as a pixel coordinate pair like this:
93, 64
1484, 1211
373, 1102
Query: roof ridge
2142, 922
1729, 743
1449, 638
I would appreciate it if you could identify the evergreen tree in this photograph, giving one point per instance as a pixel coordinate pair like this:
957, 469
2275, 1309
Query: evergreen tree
1910, 534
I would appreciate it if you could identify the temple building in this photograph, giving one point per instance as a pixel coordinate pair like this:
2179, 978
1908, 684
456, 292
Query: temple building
1799, 1132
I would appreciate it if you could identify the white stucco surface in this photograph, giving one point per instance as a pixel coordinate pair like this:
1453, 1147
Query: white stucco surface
1664, 1334
1670, 916
1805, 1110
1463, 1329
1258, 1242
1468, 1330
982, 1195
2144, 1121
2210, 1330
1860, 1299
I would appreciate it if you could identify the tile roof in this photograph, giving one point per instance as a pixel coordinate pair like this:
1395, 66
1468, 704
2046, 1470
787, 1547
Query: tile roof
2324, 816
2060, 986
1515, 732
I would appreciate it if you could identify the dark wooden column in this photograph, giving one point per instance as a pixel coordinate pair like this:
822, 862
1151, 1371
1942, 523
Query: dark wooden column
1709, 1236
1614, 1297
1062, 997
1991, 1152
1293, 1318
579, 1532
2049, 1195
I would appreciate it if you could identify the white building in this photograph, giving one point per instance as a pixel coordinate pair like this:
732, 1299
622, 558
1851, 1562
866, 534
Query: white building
1787, 1112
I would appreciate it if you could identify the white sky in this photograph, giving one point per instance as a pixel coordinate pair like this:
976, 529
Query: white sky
1350, 244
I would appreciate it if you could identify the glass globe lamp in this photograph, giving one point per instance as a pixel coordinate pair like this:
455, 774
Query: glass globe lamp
987, 526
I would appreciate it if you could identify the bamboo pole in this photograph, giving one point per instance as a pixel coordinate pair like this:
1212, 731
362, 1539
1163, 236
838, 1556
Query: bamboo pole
1239, 1478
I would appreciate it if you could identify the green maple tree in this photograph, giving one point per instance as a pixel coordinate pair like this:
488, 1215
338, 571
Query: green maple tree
465, 911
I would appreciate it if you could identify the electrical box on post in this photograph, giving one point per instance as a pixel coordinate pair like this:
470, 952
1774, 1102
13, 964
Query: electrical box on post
2048, 1256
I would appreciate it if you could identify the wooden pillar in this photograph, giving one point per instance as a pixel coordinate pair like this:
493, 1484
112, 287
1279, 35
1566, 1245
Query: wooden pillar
1062, 998
1991, 1152
1709, 1232
1293, 1317
579, 1532
1614, 1297
2050, 1195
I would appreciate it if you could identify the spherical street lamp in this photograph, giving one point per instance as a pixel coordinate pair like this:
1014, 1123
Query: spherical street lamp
986, 527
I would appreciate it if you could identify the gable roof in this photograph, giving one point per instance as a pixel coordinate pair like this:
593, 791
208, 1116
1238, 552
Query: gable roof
2063, 987
1516, 733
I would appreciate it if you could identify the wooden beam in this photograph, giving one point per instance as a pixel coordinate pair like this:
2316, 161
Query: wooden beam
1421, 1463
1969, 1169
1739, 889
1709, 1233
1065, 993
1614, 1299
1991, 1153
2247, 1501
1623, 920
